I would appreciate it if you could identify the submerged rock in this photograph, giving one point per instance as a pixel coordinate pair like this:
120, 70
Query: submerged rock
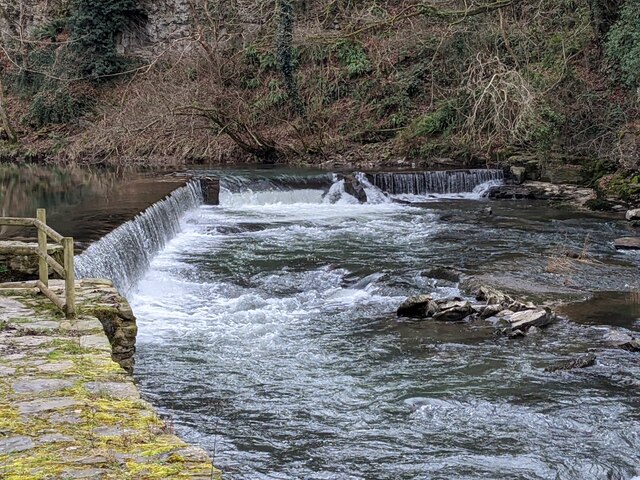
581, 362
627, 243
623, 341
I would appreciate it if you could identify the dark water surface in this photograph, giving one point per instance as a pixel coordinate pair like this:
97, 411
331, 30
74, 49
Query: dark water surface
268, 333
80, 202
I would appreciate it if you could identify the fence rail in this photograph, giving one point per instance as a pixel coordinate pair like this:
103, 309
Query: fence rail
66, 271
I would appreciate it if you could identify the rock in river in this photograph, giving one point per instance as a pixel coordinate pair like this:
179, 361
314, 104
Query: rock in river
627, 243
423, 306
452, 310
633, 214
529, 318
415, 307
580, 362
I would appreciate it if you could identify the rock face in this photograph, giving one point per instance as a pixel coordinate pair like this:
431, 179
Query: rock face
542, 191
633, 215
627, 243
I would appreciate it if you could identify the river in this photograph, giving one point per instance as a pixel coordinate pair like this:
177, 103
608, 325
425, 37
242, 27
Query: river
268, 335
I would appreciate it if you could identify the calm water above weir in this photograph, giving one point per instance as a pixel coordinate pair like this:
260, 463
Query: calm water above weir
80, 202
268, 333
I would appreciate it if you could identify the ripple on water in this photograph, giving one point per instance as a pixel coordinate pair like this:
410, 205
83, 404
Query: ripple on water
267, 330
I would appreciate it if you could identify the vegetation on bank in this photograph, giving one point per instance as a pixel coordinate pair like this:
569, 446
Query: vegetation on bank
337, 81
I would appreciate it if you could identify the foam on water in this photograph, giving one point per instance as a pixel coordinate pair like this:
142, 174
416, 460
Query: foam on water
267, 330
124, 254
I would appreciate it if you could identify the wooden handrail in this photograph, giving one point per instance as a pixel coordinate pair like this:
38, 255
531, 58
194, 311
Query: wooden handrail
66, 271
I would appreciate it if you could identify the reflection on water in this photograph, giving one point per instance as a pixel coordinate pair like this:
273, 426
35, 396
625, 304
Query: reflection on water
609, 308
80, 202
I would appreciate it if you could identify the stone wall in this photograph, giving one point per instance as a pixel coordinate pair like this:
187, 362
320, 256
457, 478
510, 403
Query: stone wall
18, 260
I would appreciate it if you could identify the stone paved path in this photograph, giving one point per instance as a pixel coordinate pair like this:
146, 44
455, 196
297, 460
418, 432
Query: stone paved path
67, 410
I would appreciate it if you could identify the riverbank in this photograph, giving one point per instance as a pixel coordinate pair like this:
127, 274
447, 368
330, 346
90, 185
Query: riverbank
67, 409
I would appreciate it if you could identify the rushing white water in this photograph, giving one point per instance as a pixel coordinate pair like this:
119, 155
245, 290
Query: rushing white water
124, 255
267, 330
437, 182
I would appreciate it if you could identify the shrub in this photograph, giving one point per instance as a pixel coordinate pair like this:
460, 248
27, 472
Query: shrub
94, 26
353, 57
623, 44
60, 105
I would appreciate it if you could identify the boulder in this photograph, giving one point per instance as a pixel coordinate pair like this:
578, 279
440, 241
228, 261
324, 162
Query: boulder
444, 273
415, 307
492, 296
423, 306
632, 345
633, 214
452, 310
581, 362
353, 187
627, 243
529, 318
518, 174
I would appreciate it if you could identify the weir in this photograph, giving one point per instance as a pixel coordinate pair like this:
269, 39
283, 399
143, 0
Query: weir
435, 182
125, 254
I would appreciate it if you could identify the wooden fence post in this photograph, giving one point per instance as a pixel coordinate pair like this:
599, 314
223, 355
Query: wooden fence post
69, 278
43, 267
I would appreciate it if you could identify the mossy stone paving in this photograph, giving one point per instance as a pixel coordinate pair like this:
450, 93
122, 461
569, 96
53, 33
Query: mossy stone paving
67, 410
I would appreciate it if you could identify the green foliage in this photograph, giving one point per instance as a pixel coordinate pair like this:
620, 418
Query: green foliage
597, 169
61, 105
94, 26
265, 61
51, 30
436, 122
276, 96
353, 57
626, 188
545, 127
623, 44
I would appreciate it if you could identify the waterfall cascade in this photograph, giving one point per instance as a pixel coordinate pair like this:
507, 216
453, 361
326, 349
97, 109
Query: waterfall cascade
439, 182
124, 255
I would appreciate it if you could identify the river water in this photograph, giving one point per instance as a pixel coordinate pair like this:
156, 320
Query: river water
268, 334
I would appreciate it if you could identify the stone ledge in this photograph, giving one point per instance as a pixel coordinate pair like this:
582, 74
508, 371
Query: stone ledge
67, 410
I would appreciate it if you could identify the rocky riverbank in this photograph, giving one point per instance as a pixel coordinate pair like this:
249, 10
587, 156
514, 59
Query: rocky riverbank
67, 409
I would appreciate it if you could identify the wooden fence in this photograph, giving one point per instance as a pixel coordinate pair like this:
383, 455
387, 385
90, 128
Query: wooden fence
66, 271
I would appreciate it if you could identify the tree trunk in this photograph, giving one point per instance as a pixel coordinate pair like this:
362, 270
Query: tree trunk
4, 117
284, 53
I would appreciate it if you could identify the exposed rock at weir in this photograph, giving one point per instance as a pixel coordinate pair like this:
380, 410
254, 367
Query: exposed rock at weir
543, 191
